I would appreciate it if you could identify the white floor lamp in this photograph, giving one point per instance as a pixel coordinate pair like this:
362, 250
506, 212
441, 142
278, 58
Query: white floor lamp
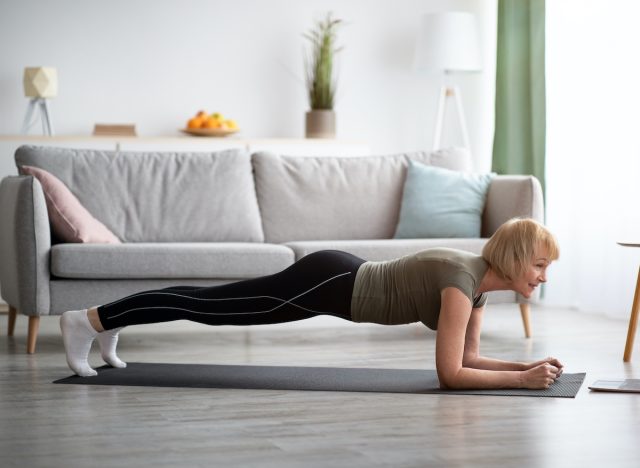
447, 44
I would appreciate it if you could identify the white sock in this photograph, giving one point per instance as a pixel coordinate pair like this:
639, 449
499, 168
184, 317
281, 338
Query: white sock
78, 334
108, 340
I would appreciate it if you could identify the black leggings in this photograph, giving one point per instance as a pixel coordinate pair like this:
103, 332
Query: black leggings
319, 284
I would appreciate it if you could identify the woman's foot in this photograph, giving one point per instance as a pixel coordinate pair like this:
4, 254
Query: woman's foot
108, 340
78, 334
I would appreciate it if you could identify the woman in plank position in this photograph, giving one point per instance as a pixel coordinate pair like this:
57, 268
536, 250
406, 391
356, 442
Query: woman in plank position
443, 288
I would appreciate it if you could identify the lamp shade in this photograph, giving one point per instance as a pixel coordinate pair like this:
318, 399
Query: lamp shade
448, 42
40, 82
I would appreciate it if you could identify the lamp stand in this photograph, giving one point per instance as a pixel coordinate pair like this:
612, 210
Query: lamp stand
445, 93
39, 105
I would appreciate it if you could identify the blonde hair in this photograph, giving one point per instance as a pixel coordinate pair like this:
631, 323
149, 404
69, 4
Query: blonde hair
512, 247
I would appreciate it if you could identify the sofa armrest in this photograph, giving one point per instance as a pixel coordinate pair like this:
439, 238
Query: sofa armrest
511, 196
25, 245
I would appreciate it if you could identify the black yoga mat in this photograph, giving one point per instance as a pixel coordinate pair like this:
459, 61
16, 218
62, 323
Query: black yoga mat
300, 378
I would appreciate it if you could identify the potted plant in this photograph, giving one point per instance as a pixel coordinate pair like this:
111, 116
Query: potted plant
319, 79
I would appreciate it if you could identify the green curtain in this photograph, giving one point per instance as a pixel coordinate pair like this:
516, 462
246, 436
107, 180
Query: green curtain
520, 127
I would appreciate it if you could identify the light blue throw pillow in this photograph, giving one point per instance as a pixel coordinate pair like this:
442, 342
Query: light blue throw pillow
441, 203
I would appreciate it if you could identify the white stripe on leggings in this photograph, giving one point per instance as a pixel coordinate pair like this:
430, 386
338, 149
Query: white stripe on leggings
283, 301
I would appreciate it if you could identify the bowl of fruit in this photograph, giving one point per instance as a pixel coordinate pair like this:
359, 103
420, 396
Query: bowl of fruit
213, 125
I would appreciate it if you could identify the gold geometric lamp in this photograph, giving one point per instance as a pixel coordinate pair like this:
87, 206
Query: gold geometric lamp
40, 84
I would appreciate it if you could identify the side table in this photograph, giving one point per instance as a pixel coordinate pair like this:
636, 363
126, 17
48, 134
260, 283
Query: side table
633, 320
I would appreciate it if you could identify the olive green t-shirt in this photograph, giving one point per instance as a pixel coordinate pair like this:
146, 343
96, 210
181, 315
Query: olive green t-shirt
407, 289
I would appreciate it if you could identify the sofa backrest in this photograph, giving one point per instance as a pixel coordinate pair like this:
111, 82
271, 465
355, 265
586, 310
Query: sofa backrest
159, 197
331, 198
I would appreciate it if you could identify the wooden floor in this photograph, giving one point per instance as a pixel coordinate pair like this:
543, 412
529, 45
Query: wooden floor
45, 425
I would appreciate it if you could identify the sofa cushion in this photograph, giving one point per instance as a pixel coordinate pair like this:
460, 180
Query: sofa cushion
323, 198
228, 260
440, 203
70, 221
159, 197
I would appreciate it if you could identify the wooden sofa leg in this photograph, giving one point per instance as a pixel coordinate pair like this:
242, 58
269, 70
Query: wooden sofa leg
34, 325
526, 319
13, 312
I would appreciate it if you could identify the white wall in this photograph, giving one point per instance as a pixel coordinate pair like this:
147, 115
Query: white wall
156, 62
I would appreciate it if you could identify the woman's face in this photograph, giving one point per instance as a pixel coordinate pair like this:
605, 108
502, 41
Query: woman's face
535, 273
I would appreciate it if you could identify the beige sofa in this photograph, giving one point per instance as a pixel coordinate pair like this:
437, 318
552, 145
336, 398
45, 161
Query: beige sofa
211, 218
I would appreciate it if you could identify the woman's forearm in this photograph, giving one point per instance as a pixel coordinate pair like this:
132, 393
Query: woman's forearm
481, 378
485, 363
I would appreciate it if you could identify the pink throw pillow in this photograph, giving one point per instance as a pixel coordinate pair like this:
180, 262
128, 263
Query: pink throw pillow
70, 221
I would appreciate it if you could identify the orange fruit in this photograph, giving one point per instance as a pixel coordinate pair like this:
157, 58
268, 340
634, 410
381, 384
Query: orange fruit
210, 122
195, 122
